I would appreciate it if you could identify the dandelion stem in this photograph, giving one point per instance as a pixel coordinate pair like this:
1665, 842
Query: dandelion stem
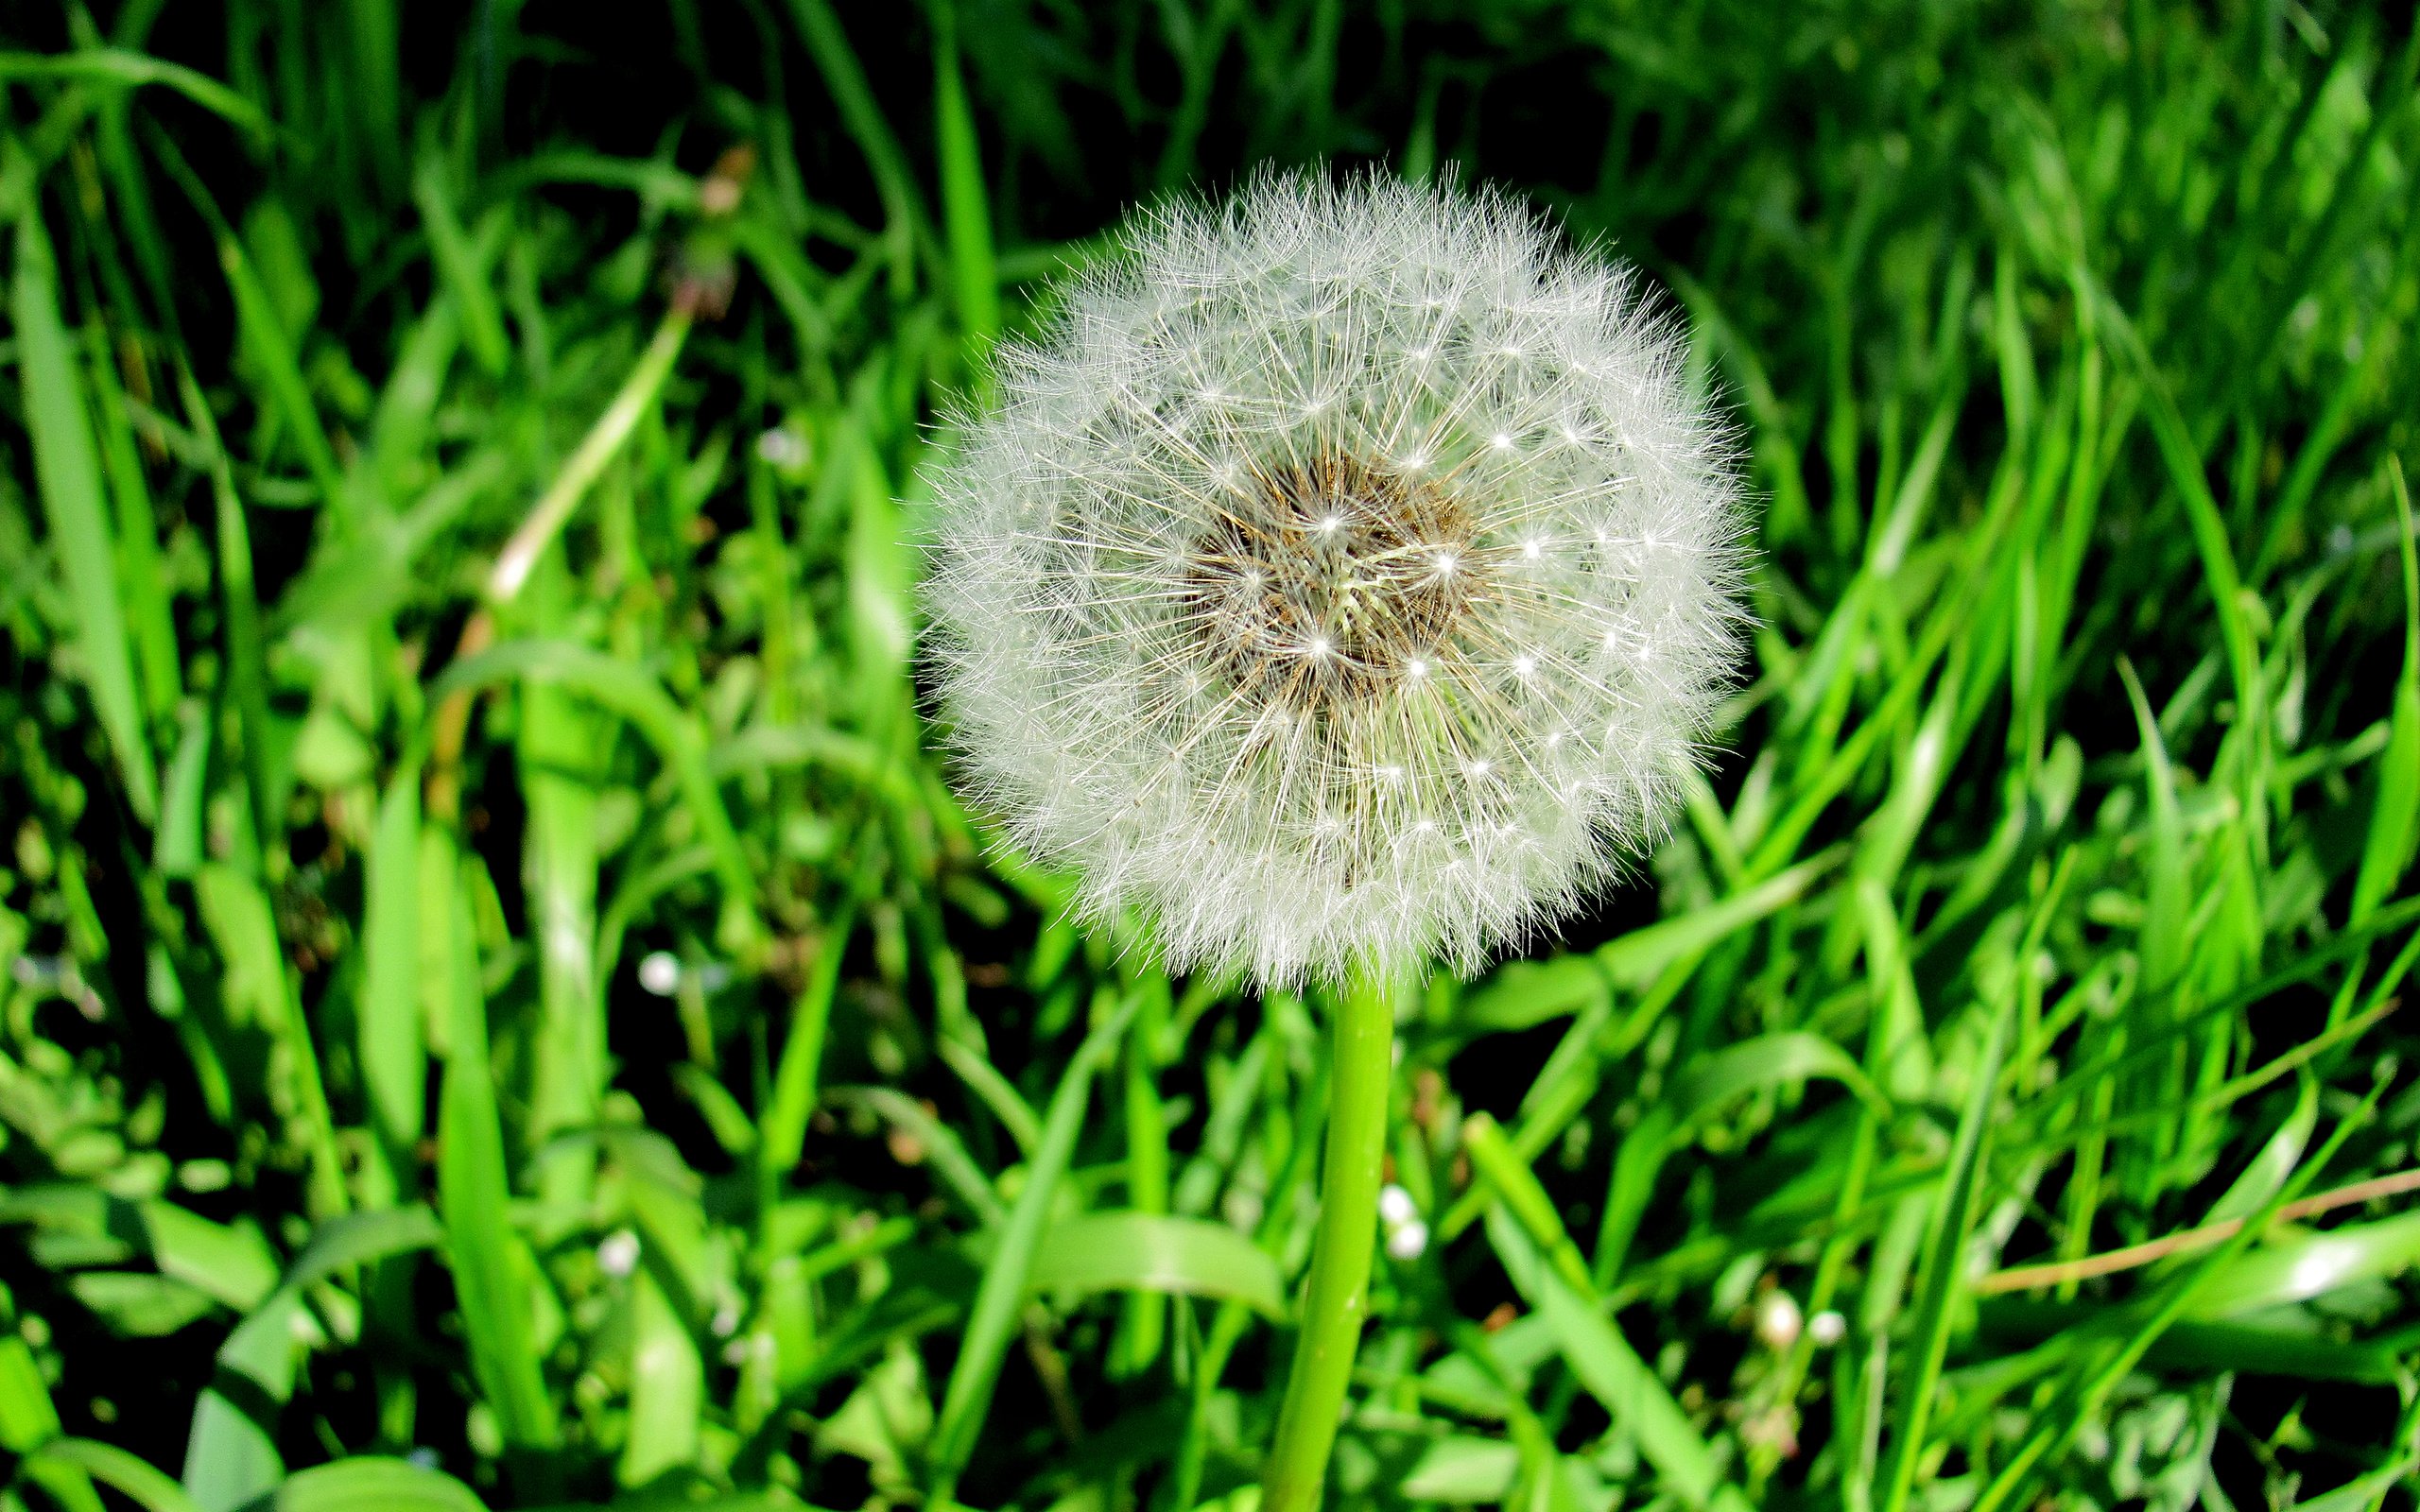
1337, 1299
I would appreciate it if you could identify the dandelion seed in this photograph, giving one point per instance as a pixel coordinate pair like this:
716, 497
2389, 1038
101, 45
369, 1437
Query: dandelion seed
1253, 434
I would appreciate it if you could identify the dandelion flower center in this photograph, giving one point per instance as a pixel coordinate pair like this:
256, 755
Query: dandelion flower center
1327, 582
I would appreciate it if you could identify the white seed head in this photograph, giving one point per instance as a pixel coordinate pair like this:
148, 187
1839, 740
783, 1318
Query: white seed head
1237, 662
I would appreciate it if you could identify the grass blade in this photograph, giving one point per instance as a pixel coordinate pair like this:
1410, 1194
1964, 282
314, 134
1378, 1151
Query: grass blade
67, 470
371, 1483
2386, 849
1133, 1252
121, 1472
474, 1190
1007, 1277
458, 264
393, 1052
966, 215
1953, 1217
1611, 1370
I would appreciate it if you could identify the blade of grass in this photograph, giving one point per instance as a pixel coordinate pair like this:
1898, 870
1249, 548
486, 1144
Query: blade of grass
141, 572
558, 758
828, 44
673, 730
128, 69
1000, 1298
1143, 1319
2394, 819
374, 1484
782, 1129
121, 1472
1610, 1368
262, 330
240, 627
460, 264
2085, 1397
394, 1055
603, 441
1129, 1251
966, 215
474, 1188
261, 992
67, 472
1944, 1267
668, 1387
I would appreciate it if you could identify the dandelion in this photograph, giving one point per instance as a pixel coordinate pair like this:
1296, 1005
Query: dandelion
1343, 581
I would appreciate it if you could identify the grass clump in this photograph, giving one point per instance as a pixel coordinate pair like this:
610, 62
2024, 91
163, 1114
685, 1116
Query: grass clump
496, 991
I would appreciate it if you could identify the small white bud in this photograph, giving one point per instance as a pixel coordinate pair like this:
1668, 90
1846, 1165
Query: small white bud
660, 972
1410, 1242
782, 447
618, 1254
1395, 1207
1779, 1319
1827, 1328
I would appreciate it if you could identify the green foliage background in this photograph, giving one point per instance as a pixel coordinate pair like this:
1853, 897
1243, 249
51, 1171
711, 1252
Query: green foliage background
534, 1011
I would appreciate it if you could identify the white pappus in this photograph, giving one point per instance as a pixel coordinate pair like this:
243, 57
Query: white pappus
1343, 578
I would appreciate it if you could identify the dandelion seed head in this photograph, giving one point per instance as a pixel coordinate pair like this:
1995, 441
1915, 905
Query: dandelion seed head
1248, 569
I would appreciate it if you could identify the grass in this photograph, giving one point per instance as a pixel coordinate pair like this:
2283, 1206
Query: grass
502, 1011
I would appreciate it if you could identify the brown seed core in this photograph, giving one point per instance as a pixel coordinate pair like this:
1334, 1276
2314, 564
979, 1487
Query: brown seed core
1330, 579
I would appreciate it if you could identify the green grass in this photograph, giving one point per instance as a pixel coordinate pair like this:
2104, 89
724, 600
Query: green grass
493, 977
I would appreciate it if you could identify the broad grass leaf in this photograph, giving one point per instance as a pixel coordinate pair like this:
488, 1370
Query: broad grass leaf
369, 1484
2299, 1267
1156, 1252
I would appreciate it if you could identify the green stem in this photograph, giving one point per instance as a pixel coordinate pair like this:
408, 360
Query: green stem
1335, 1300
